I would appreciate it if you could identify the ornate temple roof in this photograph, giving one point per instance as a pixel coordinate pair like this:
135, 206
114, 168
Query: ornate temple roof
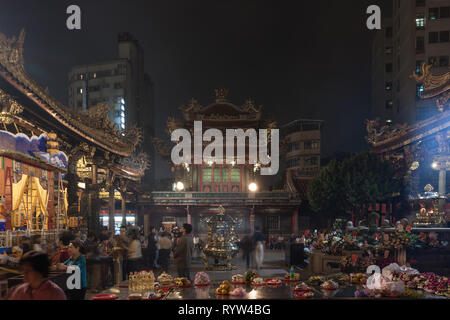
93, 126
388, 138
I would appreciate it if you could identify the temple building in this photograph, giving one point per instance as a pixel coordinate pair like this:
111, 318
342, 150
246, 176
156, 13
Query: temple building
56, 162
421, 151
199, 189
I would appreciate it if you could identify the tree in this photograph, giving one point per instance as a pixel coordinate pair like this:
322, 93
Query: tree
358, 180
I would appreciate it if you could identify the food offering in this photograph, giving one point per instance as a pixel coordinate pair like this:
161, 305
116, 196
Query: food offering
358, 278
238, 292
135, 296
201, 279
287, 277
258, 282
165, 280
105, 296
225, 288
340, 278
238, 279
274, 282
330, 285
141, 281
315, 280
303, 295
250, 275
153, 295
302, 287
182, 282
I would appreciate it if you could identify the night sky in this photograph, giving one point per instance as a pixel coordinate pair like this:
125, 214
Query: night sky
299, 59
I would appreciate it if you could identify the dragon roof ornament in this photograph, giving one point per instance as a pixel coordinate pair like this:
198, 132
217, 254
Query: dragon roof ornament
94, 125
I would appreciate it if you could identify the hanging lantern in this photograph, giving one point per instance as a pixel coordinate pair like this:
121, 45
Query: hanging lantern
16, 219
52, 144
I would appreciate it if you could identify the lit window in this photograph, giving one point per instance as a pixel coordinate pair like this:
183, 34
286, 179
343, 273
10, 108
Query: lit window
81, 90
122, 108
95, 75
122, 101
420, 21
419, 90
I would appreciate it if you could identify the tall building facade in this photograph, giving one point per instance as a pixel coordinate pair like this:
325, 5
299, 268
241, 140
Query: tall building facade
302, 139
420, 34
121, 84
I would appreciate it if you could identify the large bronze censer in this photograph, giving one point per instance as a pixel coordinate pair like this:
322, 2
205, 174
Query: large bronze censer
222, 240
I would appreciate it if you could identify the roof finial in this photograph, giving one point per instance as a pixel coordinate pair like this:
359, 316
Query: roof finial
221, 95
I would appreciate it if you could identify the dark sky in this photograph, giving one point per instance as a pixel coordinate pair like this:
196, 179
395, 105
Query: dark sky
299, 59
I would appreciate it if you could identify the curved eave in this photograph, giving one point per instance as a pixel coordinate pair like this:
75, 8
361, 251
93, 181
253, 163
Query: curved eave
42, 104
417, 132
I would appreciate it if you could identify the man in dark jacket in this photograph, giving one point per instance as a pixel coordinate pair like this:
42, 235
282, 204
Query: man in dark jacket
183, 251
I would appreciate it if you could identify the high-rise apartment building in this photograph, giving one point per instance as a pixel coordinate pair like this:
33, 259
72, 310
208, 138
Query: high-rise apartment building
120, 83
420, 34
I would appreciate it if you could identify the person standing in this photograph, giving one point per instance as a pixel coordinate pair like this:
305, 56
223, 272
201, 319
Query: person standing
76, 251
258, 240
36, 286
151, 248
164, 244
134, 252
183, 251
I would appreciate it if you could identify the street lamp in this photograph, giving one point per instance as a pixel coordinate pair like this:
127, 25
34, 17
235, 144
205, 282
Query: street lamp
252, 187
180, 186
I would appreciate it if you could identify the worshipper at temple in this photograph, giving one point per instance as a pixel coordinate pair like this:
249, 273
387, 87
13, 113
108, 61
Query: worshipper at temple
258, 240
36, 243
123, 242
247, 248
183, 250
152, 241
165, 245
63, 254
134, 252
25, 243
36, 286
76, 251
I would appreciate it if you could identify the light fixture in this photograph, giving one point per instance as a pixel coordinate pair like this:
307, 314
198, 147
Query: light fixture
180, 186
210, 162
435, 165
233, 163
415, 165
252, 187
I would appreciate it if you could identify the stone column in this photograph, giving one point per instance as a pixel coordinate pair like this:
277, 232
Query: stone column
442, 187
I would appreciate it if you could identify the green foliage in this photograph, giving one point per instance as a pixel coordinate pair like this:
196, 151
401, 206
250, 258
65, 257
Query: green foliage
358, 180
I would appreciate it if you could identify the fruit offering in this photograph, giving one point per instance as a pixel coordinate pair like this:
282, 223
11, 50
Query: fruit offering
330, 285
358, 278
341, 278
258, 281
182, 282
238, 278
238, 292
302, 287
165, 279
250, 275
274, 282
315, 280
201, 279
225, 288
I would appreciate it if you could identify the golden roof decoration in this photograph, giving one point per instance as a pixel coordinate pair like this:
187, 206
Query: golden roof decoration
432, 82
9, 108
221, 95
94, 126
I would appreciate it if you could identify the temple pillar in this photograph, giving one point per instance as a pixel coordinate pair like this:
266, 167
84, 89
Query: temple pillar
188, 216
442, 187
295, 222
112, 208
123, 195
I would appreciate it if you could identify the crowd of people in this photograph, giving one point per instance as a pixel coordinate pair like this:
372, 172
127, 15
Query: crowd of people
137, 253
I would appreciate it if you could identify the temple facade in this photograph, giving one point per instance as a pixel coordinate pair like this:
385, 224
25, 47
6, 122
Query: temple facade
208, 185
56, 162
421, 151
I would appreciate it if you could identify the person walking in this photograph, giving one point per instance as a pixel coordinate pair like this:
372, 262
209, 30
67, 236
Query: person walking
36, 286
258, 240
164, 244
247, 248
183, 250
